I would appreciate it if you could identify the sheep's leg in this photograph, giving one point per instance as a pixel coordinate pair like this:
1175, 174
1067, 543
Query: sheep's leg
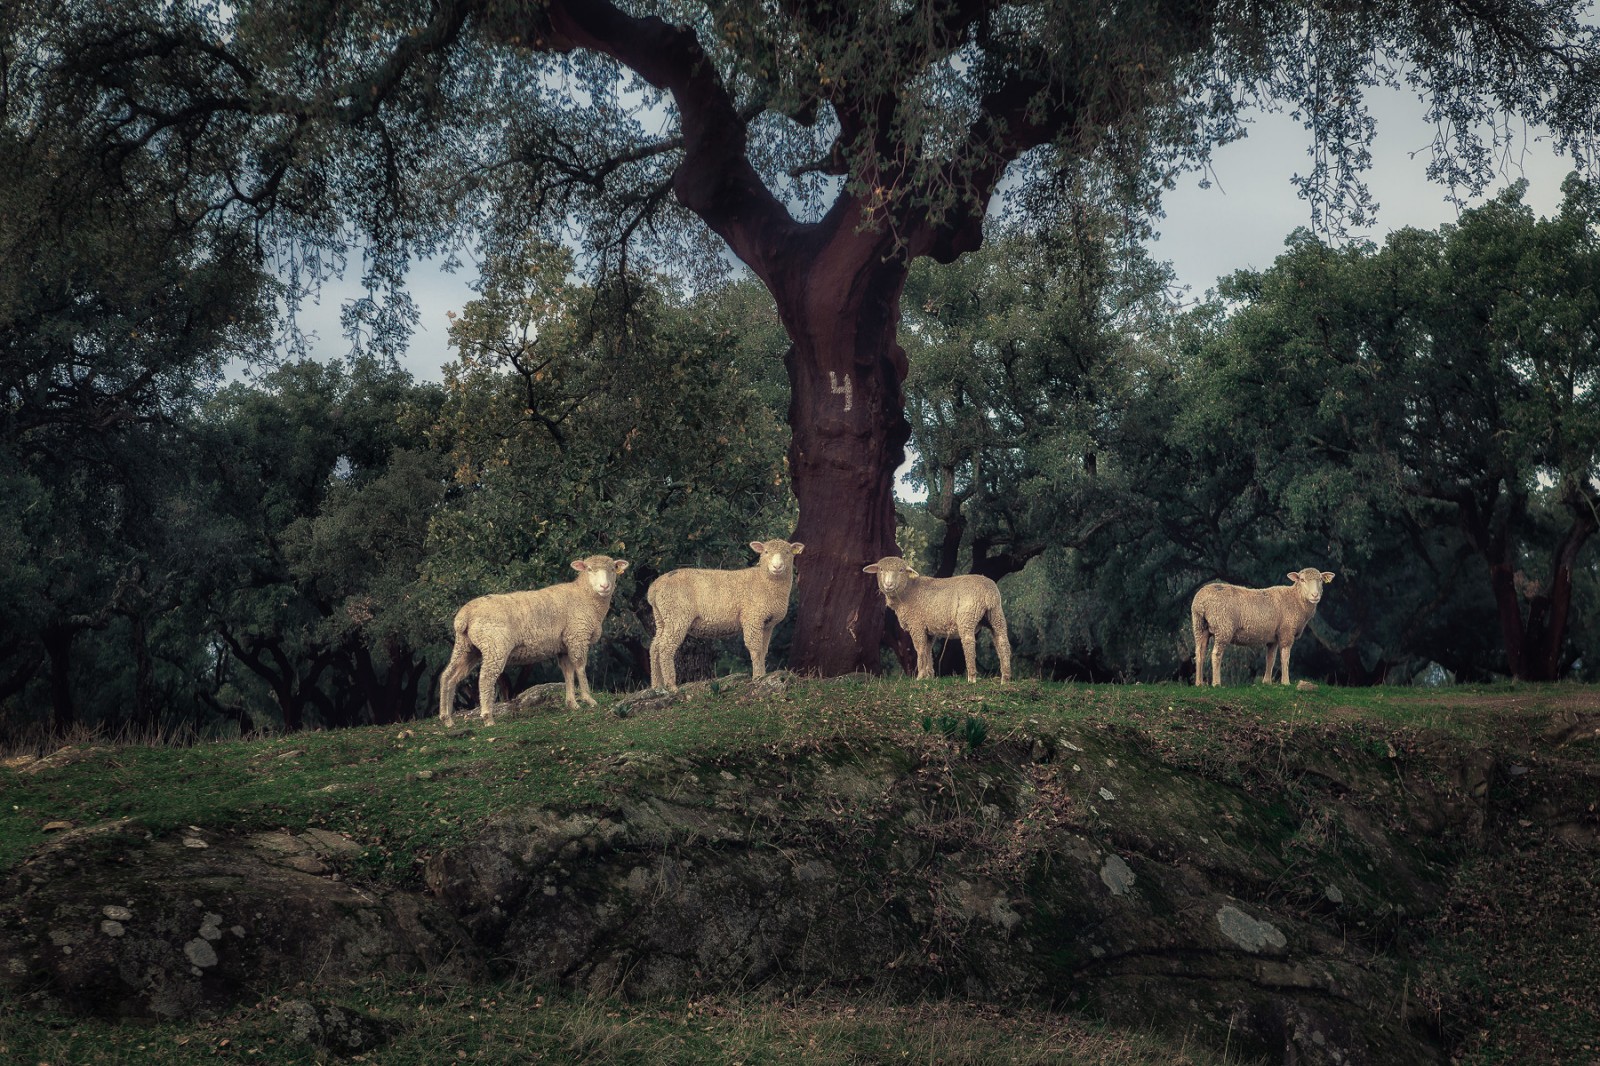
455, 672
1284, 667
664, 658
1202, 641
578, 657
1002, 642
564, 661
1216, 660
496, 651
756, 637
969, 648
919, 640
1272, 656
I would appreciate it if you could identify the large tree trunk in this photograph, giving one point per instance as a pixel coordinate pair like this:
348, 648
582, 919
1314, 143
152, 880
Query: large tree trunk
1548, 610
1502, 579
58, 647
146, 705
847, 414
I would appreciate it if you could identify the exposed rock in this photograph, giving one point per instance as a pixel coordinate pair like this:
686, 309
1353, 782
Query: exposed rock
107, 920
553, 694
727, 876
330, 845
1249, 933
650, 700
524, 705
1116, 876
63, 756
340, 1030
1573, 726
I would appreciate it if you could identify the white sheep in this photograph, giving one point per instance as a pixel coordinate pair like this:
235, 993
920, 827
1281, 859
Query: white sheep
944, 607
1270, 618
517, 628
715, 603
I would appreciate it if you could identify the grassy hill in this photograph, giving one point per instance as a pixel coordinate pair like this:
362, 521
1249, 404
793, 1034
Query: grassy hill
1517, 892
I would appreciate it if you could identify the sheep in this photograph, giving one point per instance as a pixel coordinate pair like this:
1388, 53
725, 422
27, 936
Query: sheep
1270, 618
944, 607
517, 628
717, 603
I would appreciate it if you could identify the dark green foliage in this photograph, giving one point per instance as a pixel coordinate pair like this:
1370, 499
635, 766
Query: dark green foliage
117, 311
1429, 411
322, 514
827, 146
961, 729
1023, 356
1413, 417
630, 420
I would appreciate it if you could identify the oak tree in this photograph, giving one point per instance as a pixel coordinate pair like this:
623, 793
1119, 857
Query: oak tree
827, 143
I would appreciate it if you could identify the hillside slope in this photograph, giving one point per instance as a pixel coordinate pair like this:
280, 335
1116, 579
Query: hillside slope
1332, 876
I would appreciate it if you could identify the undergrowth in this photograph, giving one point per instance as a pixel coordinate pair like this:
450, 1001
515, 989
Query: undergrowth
434, 1024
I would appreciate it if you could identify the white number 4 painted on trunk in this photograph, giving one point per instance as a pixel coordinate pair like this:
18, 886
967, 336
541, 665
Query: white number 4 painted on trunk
840, 390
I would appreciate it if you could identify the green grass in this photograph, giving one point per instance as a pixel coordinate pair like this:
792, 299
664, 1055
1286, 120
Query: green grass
435, 1024
364, 782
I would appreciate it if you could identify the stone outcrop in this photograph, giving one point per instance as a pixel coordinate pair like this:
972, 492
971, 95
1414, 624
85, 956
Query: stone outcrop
1100, 879
110, 920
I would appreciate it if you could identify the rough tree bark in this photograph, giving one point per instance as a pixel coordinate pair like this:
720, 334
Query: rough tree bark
1546, 629
846, 412
1533, 642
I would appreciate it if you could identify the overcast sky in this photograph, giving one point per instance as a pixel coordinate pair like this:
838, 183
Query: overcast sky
1240, 222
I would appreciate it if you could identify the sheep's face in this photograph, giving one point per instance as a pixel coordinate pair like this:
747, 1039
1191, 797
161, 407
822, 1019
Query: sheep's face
1310, 581
601, 572
777, 556
893, 574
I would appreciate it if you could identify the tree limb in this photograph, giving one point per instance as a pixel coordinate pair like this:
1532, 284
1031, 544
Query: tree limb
715, 180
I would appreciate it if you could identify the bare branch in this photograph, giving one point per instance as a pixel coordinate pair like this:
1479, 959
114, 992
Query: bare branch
715, 180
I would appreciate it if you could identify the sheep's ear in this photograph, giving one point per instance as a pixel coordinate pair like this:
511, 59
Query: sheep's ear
871, 568
911, 572
621, 565
579, 564
759, 547
1294, 576
1327, 576
796, 549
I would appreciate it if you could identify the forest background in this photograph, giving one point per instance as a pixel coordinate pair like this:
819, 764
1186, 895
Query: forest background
282, 545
